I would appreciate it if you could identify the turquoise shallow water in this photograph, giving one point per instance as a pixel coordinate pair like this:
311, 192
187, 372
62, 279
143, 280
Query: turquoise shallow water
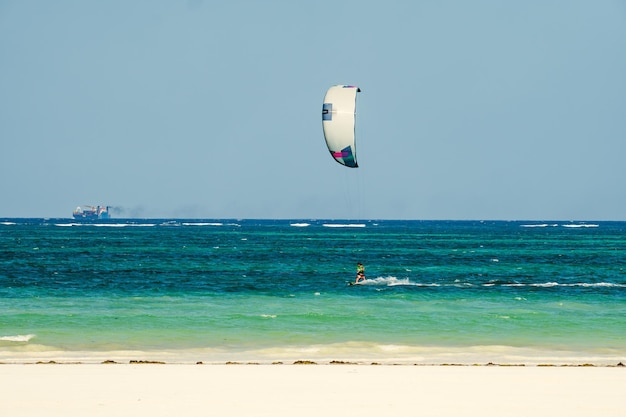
277, 290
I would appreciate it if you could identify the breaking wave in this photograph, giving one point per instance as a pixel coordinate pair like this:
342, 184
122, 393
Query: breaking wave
339, 225
17, 338
569, 225
203, 224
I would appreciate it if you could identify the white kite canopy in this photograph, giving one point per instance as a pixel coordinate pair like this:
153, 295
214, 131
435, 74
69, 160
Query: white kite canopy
338, 119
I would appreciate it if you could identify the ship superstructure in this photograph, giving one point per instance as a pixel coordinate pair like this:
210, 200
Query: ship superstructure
91, 213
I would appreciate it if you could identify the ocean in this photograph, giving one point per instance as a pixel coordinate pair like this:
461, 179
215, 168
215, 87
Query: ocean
266, 291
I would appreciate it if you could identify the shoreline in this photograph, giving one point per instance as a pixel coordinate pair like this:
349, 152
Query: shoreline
317, 363
139, 358
325, 354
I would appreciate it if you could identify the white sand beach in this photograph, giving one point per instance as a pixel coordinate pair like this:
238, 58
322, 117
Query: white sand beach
309, 390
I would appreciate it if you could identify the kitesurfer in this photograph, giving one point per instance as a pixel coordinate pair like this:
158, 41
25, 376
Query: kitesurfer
360, 272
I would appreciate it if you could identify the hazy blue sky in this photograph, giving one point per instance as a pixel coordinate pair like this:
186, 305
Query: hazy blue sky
469, 110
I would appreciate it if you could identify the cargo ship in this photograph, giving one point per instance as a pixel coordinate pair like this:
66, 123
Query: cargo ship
91, 213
